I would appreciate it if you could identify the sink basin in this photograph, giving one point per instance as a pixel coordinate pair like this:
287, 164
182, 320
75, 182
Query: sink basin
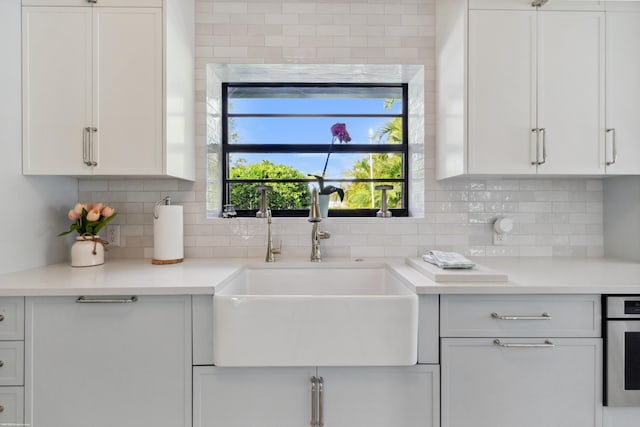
319, 315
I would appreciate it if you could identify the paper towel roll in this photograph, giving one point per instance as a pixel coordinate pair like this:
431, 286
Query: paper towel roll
168, 245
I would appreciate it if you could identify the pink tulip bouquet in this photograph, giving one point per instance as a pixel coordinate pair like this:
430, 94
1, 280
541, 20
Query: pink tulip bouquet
89, 219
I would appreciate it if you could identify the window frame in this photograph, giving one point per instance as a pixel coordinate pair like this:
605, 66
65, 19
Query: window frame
402, 148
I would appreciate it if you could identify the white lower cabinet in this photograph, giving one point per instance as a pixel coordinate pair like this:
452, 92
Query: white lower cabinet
109, 362
283, 397
524, 382
521, 360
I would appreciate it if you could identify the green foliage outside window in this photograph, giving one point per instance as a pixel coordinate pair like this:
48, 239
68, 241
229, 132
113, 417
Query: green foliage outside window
287, 195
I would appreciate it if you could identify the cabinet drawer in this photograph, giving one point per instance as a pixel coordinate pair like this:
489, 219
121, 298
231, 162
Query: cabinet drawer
11, 406
486, 384
11, 363
12, 318
520, 315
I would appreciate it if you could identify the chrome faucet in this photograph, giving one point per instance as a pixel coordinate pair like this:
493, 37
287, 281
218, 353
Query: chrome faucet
265, 212
316, 235
271, 251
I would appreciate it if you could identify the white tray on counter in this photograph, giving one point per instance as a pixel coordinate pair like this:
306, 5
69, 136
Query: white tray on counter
478, 273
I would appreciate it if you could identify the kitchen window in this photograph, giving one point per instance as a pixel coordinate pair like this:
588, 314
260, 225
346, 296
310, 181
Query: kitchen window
283, 134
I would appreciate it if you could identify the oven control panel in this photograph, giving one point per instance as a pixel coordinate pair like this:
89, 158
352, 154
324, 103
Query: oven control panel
632, 307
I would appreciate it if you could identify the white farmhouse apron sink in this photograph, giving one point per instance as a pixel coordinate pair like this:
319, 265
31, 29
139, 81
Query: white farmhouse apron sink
315, 315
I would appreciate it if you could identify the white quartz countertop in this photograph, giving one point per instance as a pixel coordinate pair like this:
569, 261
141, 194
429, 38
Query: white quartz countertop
120, 277
526, 275
546, 275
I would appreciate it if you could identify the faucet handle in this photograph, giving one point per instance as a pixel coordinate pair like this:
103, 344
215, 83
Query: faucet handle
323, 234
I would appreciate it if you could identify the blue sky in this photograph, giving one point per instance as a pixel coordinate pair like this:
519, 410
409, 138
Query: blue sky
316, 130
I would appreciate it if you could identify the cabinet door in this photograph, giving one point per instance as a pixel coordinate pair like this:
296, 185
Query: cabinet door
381, 396
241, 397
571, 91
108, 364
98, 3
502, 105
56, 75
489, 385
623, 91
11, 406
127, 92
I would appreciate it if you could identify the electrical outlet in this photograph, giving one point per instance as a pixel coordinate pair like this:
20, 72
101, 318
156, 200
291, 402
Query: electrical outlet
499, 238
113, 234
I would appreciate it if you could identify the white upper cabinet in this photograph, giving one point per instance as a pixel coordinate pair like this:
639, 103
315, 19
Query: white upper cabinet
623, 88
502, 97
96, 85
520, 89
127, 91
570, 92
57, 88
102, 3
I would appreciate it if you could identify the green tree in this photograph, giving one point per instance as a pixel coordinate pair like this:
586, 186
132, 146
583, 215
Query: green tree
382, 165
285, 195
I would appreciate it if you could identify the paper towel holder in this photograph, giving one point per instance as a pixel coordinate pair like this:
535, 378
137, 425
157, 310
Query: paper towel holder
164, 201
168, 241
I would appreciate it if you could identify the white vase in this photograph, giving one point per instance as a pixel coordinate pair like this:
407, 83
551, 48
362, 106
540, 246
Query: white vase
87, 251
323, 204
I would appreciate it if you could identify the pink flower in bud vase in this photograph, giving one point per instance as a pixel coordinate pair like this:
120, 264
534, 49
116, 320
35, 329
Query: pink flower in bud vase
339, 130
73, 215
107, 211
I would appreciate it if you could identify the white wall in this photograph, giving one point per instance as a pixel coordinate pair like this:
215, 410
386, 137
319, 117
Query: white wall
32, 209
553, 217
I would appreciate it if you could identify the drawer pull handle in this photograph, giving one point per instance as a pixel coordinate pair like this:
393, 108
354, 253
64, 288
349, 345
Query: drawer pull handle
1, 408
543, 316
320, 402
1, 317
85, 300
1, 363
546, 344
314, 402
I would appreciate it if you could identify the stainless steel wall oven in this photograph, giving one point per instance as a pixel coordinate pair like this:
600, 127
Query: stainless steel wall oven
621, 316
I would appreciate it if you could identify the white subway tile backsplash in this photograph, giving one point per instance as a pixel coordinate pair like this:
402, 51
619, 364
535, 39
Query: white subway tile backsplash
553, 216
93, 185
228, 7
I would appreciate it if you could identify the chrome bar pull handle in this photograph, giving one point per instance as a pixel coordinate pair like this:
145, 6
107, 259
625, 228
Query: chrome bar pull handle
85, 146
92, 131
543, 316
314, 402
543, 131
537, 132
546, 344
614, 150
320, 402
85, 300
